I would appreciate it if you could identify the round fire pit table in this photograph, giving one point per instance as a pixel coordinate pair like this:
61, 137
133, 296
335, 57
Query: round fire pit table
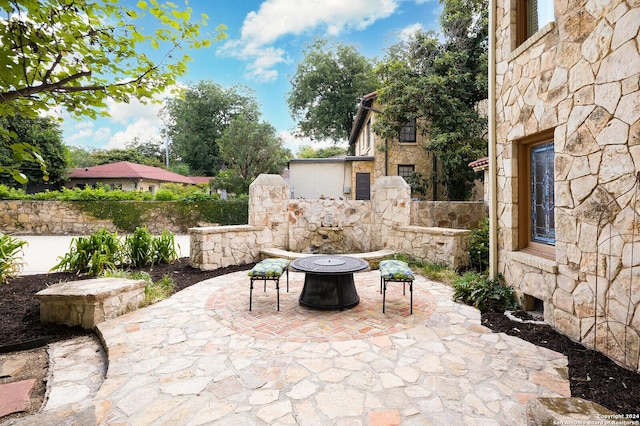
328, 281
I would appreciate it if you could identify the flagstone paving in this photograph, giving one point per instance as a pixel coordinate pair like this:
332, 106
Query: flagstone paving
201, 357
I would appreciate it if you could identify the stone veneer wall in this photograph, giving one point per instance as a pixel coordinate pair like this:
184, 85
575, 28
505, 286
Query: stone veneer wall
309, 218
448, 214
27, 217
20, 217
275, 221
581, 77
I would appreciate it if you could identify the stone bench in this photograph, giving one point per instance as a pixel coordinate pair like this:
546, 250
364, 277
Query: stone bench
89, 302
373, 257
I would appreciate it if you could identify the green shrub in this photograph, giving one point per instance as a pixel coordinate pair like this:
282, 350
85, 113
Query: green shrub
486, 294
93, 254
165, 195
479, 247
138, 247
11, 250
7, 193
143, 249
164, 248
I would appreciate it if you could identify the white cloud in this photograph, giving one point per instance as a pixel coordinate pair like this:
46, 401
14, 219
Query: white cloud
143, 129
86, 130
278, 18
124, 113
410, 30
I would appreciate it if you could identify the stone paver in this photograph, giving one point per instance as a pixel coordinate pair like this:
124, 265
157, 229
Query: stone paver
201, 357
14, 397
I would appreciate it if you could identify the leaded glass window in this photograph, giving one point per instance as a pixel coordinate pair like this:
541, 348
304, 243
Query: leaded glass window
543, 229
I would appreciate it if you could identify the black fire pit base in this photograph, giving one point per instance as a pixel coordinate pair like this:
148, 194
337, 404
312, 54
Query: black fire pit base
329, 292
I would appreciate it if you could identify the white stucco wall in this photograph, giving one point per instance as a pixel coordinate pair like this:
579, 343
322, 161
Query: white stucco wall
314, 178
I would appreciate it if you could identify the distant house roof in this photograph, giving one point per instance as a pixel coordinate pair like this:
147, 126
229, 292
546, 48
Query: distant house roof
479, 164
200, 179
127, 170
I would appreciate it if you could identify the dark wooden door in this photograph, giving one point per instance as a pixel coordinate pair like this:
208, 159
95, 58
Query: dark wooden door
363, 186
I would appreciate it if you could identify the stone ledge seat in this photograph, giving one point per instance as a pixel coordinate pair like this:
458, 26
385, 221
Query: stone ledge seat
395, 271
89, 302
269, 269
373, 257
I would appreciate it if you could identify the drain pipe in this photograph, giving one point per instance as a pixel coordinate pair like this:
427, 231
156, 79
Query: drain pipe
493, 177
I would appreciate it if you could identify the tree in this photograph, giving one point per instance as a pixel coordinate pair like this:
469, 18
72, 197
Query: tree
198, 119
132, 155
250, 148
307, 151
152, 151
440, 85
326, 87
78, 156
43, 134
78, 54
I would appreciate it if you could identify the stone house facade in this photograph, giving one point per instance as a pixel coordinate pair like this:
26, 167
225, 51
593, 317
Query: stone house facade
566, 153
401, 157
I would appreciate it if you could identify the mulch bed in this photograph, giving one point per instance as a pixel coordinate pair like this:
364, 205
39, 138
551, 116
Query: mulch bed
592, 375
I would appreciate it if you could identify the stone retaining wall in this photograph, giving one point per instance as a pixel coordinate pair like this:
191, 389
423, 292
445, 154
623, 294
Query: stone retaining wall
277, 222
23, 217
26, 217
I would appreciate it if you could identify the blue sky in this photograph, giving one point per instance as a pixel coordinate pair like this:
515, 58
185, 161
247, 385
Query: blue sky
265, 41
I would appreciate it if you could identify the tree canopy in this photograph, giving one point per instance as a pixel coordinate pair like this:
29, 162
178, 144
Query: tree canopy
306, 151
326, 88
250, 147
75, 55
41, 133
197, 120
440, 83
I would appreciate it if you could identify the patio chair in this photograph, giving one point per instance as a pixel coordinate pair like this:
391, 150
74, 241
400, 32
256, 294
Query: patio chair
269, 269
395, 271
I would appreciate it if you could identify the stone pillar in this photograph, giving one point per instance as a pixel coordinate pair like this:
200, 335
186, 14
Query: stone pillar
268, 208
391, 208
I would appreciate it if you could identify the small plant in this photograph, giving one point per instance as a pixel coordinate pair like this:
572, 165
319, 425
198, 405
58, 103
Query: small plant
439, 272
479, 246
139, 247
433, 271
11, 251
158, 290
486, 294
164, 248
143, 249
153, 291
93, 254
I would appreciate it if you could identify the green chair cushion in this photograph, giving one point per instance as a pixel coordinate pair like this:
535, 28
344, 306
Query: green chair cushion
396, 270
269, 268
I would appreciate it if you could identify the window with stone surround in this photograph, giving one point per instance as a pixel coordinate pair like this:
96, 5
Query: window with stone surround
536, 225
408, 132
406, 170
531, 15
